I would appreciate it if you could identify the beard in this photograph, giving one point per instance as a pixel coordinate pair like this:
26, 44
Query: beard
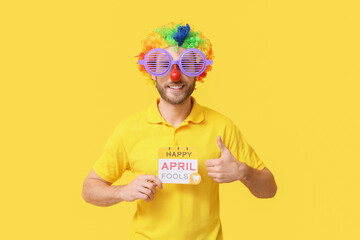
175, 97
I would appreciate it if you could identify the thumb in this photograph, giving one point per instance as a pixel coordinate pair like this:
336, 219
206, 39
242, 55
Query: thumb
221, 145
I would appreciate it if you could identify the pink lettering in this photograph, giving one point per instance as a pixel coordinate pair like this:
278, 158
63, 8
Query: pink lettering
165, 166
172, 164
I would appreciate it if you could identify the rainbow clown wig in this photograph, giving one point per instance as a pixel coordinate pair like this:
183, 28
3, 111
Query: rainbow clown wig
175, 35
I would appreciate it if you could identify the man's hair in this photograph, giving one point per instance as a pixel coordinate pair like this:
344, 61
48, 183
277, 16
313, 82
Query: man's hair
175, 35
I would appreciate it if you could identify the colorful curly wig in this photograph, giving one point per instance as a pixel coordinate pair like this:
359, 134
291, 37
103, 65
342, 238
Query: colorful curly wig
175, 35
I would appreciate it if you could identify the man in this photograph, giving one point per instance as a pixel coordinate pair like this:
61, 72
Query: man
176, 201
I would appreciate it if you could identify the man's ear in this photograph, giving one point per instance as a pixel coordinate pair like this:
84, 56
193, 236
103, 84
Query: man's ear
153, 77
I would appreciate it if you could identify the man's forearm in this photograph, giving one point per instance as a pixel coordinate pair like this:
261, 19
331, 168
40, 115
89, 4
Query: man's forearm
261, 183
100, 194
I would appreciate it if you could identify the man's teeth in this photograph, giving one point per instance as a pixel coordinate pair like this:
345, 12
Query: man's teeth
175, 87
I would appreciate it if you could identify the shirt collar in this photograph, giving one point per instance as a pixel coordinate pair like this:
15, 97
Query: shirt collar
196, 115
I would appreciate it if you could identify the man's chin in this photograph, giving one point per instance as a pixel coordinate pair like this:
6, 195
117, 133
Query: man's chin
175, 100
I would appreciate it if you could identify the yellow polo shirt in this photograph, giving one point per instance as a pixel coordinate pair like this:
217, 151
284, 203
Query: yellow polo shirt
178, 211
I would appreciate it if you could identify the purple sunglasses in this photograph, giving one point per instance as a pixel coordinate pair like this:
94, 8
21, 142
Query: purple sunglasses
158, 62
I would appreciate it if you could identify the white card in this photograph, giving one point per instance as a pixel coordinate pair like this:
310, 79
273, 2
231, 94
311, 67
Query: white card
178, 165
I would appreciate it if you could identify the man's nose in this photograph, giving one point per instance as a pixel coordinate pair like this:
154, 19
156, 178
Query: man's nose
175, 74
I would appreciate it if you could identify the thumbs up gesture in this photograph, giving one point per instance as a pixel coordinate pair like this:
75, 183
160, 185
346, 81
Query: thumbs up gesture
226, 168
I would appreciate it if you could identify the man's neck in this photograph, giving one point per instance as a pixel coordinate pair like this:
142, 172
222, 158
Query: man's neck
175, 114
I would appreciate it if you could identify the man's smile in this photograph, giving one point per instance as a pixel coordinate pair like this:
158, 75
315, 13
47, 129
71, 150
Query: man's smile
176, 88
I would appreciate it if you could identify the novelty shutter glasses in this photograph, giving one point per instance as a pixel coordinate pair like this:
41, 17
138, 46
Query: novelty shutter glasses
158, 62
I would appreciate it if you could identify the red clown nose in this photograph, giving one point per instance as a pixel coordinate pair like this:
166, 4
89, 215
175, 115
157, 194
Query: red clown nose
175, 74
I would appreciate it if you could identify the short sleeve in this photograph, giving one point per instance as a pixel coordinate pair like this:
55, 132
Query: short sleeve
113, 161
241, 150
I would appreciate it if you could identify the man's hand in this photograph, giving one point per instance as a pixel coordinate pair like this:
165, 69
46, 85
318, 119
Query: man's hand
142, 187
226, 168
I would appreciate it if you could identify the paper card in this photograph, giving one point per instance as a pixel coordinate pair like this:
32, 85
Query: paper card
178, 165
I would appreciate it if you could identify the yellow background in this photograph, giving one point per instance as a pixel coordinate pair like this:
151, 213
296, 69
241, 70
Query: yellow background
287, 73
